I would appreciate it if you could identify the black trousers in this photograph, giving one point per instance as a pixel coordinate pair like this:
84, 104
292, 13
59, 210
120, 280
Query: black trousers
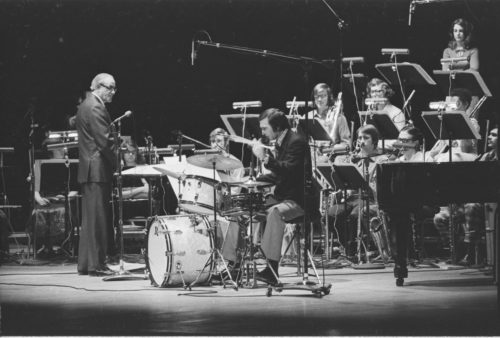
96, 226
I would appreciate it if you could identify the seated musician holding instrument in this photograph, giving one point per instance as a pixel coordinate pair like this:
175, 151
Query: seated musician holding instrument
133, 188
462, 150
474, 225
378, 88
289, 165
330, 115
229, 232
409, 143
365, 160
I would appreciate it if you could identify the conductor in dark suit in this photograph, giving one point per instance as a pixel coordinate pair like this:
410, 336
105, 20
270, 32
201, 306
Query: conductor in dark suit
95, 173
288, 164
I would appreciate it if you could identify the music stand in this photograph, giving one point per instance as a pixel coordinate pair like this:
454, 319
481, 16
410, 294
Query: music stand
315, 129
469, 80
351, 179
410, 73
244, 125
383, 122
450, 125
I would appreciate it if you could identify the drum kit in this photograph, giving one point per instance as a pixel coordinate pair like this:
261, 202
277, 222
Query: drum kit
182, 250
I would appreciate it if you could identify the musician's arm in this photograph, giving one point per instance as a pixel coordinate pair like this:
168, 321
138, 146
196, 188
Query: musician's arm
294, 159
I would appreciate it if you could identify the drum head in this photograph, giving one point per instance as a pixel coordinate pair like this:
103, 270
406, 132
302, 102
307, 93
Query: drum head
179, 250
156, 252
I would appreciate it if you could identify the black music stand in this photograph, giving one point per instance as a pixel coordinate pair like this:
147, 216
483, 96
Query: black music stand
450, 125
410, 74
315, 129
349, 178
470, 80
383, 122
244, 125
332, 182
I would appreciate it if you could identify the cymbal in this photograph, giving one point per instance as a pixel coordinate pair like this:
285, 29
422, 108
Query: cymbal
252, 184
221, 162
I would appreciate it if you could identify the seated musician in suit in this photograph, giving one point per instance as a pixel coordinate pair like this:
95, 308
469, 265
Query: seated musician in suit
365, 160
290, 166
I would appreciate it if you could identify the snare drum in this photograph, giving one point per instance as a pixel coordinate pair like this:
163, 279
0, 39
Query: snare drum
197, 194
240, 204
178, 248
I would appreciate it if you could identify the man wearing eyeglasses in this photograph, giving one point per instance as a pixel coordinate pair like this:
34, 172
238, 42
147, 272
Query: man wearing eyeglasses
95, 173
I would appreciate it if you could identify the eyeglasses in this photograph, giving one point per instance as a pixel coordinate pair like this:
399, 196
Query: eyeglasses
321, 96
110, 88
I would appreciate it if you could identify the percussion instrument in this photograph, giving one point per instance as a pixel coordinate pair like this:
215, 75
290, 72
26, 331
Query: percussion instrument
196, 194
214, 161
241, 204
179, 247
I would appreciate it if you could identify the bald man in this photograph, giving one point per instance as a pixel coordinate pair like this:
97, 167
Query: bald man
95, 173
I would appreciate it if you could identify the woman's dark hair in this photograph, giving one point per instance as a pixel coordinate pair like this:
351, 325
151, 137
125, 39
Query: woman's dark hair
375, 82
468, 38
372, 131
325, 87
277, 119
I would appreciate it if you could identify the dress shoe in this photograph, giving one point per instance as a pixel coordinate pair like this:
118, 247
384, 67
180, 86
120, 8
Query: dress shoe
266, 276
83, 273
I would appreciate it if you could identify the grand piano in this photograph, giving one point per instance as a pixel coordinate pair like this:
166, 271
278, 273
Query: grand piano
403, 187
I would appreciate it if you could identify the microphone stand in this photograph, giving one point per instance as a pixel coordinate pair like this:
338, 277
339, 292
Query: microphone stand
122, 274
341, 26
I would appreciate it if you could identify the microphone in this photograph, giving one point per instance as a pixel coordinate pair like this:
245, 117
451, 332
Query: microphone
298, 104
127, 114
395, 51
246, 104
354, 59
412, 10
193, 52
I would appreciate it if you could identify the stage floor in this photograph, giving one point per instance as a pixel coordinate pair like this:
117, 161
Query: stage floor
54, 300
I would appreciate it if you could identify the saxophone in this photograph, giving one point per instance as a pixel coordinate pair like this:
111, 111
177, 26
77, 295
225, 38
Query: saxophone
380, 235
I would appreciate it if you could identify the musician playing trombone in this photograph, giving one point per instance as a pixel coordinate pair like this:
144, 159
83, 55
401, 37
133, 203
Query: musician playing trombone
329, 113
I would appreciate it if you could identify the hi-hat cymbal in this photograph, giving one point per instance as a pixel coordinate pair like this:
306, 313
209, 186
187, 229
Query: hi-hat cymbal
252, 184
221, 162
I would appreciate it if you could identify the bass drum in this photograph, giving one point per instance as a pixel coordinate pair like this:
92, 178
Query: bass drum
178, 248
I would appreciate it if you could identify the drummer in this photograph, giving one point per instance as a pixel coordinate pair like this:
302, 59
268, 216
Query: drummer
229, 231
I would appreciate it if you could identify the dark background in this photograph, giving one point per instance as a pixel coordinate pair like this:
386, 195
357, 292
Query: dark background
50, 51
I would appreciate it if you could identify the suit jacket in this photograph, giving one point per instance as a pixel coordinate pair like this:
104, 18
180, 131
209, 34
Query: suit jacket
97, 159
287, 168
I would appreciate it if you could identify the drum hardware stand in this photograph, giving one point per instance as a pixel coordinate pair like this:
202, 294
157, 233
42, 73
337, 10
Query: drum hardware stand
122, 274
216, 254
